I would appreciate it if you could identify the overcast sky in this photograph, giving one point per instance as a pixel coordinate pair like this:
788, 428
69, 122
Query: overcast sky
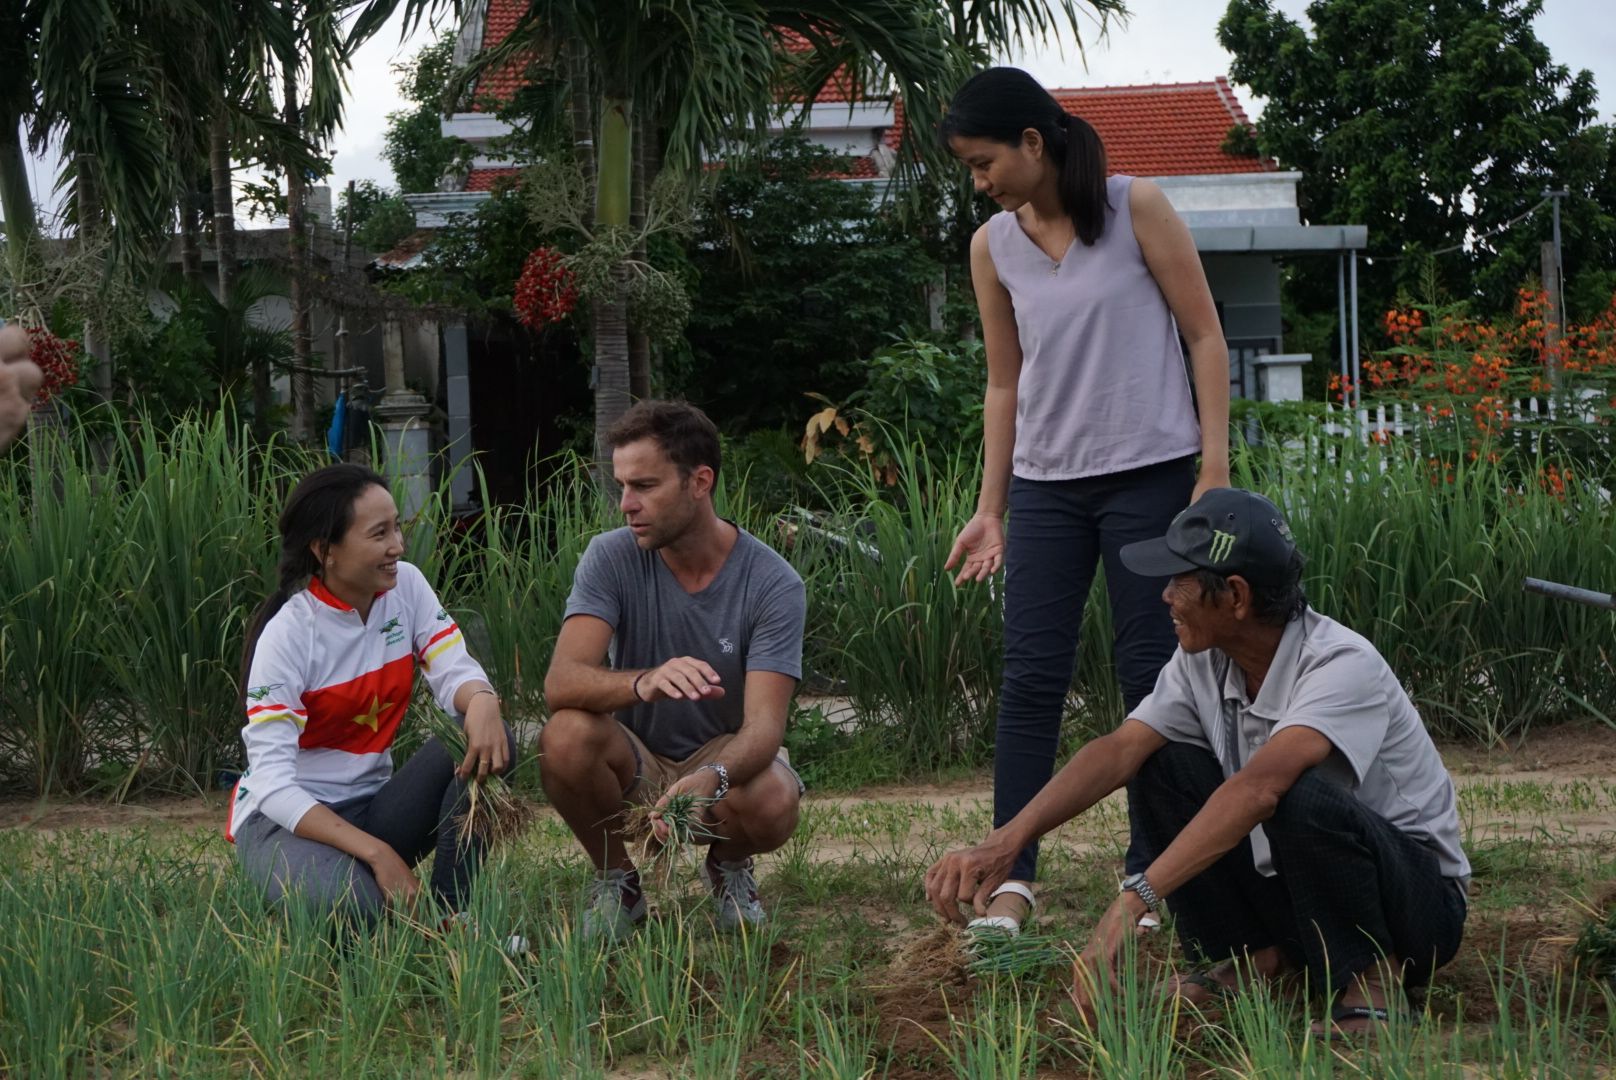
1163, 41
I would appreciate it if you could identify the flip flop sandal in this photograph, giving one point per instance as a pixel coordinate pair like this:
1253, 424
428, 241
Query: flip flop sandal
1340, 1013
1219, 991
1003, 924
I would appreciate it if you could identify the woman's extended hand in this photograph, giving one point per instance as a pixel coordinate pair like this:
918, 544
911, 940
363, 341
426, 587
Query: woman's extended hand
1212, 476
393, 876
981, 543
486, 749
969, 877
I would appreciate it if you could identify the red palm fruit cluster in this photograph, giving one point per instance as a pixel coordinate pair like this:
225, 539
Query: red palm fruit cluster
547, 291
57, 357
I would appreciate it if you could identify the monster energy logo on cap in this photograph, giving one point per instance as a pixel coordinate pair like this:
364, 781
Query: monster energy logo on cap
1227, 531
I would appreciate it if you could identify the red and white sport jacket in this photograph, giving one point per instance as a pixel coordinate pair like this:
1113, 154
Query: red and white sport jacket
326, 692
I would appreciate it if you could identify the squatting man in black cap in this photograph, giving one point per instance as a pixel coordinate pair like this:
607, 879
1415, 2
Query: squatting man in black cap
1292, 810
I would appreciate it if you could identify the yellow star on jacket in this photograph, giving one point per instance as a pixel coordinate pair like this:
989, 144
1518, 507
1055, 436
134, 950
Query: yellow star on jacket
373, 718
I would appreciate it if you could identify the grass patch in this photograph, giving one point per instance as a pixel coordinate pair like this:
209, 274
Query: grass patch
144, 954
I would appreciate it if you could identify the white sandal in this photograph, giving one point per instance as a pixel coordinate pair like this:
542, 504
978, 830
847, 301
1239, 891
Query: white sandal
1004, 923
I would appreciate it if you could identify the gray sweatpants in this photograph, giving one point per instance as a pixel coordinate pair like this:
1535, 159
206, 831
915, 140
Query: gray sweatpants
413, 813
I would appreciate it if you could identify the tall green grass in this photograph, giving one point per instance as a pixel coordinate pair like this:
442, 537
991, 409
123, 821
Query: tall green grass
57, 600
1430, 571
509, 578
917, 657
131, 565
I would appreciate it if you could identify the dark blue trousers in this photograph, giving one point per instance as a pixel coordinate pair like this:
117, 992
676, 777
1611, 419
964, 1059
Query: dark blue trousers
1060, 531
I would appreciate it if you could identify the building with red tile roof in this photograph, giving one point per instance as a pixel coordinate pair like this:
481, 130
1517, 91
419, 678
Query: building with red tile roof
1241, 209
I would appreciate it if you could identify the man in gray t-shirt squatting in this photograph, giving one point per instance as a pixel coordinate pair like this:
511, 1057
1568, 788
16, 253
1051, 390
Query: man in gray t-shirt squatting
1289, 805
673, 673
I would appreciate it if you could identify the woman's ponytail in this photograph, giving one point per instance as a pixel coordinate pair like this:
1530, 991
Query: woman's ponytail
1082, 177
294, 573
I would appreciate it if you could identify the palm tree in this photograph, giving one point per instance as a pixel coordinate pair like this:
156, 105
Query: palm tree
91, 77
243, 113
278, 98
313, 78
18, 42
110, 83
709, 75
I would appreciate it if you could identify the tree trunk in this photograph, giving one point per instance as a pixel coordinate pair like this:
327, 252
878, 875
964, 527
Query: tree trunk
89, 206
298, 252
614, 162
190, 238
609, 322
16, 201
581, 110
224, 247
639, 343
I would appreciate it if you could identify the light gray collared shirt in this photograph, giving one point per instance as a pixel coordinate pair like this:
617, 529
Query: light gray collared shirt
1328, 678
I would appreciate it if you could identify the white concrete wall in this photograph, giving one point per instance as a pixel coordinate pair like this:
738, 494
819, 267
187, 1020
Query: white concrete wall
1234, 199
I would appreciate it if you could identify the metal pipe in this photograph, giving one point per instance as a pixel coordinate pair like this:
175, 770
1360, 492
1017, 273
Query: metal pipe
1357, 370
1559, 263
329, 373
1569, 592
1341, 312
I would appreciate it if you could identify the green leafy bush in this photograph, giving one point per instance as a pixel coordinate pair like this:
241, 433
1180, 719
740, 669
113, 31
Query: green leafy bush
802, 276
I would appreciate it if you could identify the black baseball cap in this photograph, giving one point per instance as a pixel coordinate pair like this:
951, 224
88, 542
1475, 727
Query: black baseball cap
1227, 531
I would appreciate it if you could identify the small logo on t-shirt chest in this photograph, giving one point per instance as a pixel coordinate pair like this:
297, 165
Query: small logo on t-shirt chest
391, 631
725, 645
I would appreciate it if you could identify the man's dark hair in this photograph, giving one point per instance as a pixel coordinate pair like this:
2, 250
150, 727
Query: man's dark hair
1273, 605
682, 430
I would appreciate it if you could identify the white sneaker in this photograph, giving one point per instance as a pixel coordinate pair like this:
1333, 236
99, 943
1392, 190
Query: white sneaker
607, 915
734, 892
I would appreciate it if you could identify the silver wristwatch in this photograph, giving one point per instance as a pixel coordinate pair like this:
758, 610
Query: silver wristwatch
1137, 883
723, 779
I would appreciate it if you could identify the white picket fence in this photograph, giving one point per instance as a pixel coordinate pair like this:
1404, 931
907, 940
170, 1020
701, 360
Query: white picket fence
1529, 419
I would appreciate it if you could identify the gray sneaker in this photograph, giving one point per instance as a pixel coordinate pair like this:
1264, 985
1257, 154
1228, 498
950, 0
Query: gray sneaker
734, 891
516, 946
609, 915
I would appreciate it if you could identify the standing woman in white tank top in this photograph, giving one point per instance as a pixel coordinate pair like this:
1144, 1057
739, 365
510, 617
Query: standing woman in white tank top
1085, 284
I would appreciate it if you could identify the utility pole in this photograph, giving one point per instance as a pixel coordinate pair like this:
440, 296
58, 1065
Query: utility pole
1553, 272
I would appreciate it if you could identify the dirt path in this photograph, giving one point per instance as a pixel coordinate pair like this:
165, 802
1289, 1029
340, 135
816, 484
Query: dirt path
1562, 755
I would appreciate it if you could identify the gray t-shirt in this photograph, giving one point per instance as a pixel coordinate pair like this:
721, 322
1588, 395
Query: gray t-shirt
1327, 678
749, 618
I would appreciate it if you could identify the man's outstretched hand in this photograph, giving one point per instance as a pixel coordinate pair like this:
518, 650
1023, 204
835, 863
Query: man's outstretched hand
969, 877
684, 678
19, 382
1095, 969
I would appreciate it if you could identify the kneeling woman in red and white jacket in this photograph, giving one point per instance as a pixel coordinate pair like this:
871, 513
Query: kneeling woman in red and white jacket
330, 662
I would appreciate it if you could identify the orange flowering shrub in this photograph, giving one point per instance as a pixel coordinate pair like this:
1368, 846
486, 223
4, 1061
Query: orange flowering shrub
1465, 386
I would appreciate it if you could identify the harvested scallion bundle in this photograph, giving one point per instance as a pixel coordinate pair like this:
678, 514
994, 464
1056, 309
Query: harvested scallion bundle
494, 814
995, 952
687, 827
